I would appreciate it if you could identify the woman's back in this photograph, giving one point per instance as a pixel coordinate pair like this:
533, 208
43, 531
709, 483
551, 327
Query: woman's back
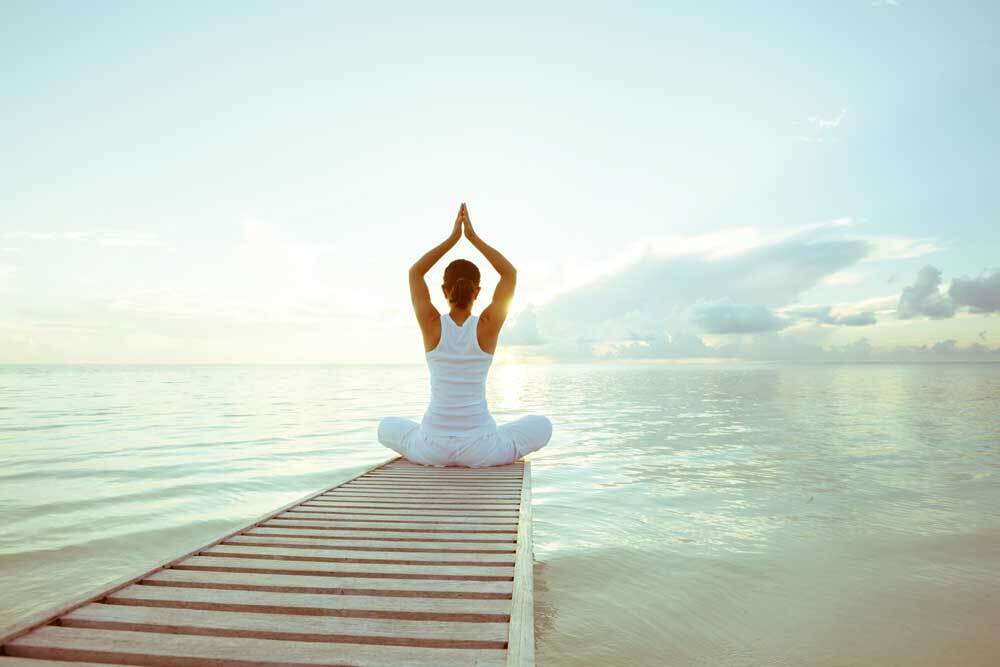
458, 369
457, 428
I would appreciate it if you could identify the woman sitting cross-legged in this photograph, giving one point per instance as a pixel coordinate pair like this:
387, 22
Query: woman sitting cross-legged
457, 428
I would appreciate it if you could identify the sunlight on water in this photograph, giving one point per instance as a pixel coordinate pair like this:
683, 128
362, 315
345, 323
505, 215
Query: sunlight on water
716, 515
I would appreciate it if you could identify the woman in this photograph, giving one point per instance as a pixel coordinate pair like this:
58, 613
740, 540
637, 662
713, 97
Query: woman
457, 428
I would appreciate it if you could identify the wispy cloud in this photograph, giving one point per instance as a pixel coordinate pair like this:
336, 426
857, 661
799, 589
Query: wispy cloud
827, 315
827, 123
820, 127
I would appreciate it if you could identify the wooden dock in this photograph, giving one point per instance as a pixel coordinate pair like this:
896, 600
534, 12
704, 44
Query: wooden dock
401, 565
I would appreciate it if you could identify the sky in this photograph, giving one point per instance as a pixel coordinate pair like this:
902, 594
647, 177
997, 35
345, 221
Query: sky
249, 182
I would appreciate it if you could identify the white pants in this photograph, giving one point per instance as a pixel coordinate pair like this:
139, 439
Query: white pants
507, 444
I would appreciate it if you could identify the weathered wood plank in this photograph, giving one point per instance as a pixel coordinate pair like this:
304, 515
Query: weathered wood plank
442, 486
407, 504
348, 605
170, 650
390, 523
372, 545
373, 483
370, 556
302, 552
295, 627
330, 533
403, 464
452, 477
404, 511
421, 496
385, 506
395, 527
389, 514
306, 583
346, 569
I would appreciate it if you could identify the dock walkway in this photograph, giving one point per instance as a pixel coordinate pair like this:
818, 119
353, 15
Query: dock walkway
401, 565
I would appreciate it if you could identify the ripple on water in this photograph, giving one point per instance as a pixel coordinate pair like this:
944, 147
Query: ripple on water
725, 515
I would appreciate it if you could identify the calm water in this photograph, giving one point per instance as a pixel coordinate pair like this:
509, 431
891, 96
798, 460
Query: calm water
684, 514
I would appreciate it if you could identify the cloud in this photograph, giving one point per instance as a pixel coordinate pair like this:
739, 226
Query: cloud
820, 127
523, 330
726, 317
824, 315
684, 346
778, 347
858, 319
924, 298
981, 295
655, 294
827, 123
661, 303
898, 247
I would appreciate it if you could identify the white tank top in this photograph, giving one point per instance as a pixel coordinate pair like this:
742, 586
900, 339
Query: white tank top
458, 368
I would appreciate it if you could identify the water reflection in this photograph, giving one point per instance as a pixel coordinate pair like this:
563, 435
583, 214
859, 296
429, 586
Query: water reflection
725, 514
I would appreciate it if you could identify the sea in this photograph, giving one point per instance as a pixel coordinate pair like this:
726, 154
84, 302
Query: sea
684, 514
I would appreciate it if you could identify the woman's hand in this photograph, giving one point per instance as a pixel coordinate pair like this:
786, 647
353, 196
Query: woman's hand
456, 231
470, 233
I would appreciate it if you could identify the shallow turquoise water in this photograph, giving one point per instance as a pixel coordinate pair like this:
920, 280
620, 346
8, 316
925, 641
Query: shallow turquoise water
684, 514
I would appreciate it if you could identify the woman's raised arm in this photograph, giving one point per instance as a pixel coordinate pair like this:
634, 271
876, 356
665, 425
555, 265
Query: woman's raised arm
503, 295
420, 296
430, 258
499, 262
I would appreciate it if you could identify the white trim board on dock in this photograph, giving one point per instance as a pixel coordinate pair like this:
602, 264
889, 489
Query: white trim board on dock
401, 565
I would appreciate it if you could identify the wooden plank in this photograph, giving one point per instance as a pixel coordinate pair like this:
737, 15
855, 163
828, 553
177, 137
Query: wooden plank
457, 496
372, 545
429, 571
295, 627
431, 507
443, 483
387, 535
401, 522
51, 613
464, 477
347, 604
422, 476
305, 583
170, 650
402, 463
369, 483
406, 513
334, 555
380, 552
396, 527
403, 511
521, 641
453, 470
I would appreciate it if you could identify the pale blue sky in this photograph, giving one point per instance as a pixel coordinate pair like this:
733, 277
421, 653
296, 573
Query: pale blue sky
248, 182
